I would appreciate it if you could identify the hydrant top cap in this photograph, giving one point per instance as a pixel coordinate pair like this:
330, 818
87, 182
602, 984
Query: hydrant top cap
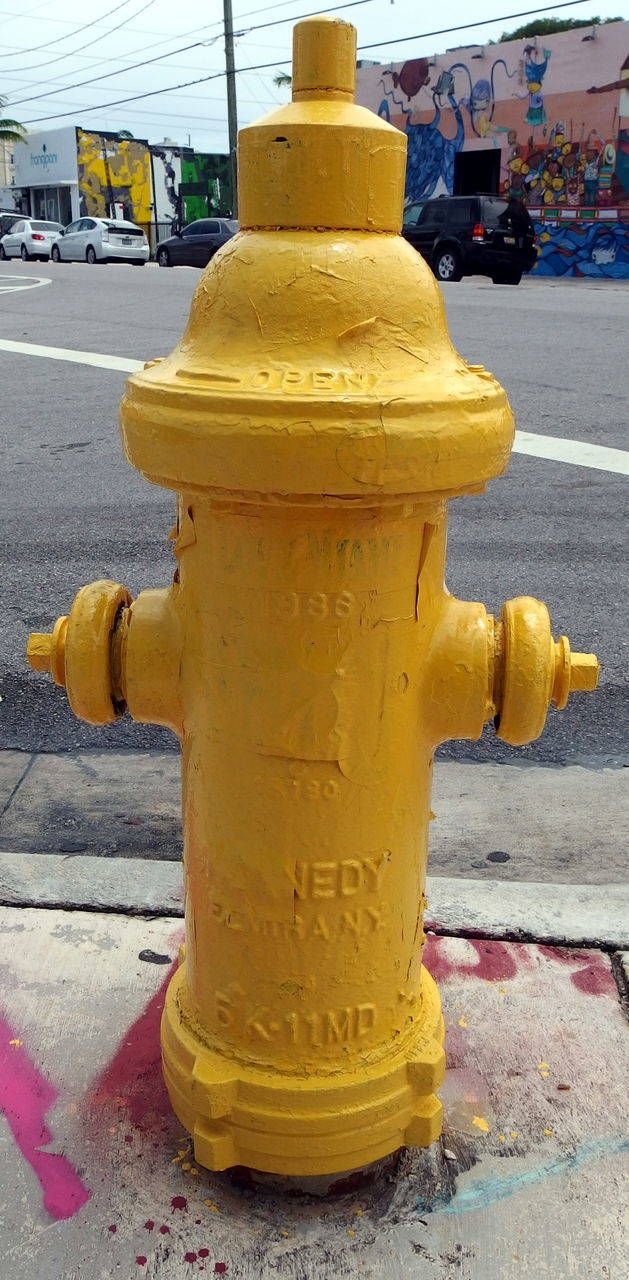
324, 57
321, 162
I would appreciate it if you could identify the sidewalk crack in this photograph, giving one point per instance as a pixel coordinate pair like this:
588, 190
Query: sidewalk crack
23, 775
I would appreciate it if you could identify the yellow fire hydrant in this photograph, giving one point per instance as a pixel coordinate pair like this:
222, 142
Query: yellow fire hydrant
313, 421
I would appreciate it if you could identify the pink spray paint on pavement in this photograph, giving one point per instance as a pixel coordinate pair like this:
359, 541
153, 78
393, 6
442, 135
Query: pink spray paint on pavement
25, 1098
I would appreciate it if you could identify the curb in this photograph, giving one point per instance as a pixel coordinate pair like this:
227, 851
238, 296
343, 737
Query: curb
559, 914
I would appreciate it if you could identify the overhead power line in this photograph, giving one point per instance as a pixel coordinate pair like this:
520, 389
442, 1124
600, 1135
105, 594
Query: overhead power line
157, 43
184, 49
146, 62
446, 31
38, 48
35, 66
265, 66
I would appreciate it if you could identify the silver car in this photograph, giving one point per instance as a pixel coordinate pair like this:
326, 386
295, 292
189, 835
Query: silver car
29, 238
102, 240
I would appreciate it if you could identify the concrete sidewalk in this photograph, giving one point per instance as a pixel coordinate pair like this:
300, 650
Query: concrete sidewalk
529, 1178
493, 821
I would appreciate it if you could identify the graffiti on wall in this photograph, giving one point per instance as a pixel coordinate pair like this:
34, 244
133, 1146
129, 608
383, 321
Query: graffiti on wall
596, 250
563, 172
206, 185
167, 181
114, 177
556, 145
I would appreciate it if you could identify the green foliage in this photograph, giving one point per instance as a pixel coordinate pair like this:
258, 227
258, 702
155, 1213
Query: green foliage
550, 26
282, 79
10, 130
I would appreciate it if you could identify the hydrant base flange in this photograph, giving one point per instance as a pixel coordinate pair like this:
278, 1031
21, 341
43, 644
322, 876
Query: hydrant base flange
309, 1124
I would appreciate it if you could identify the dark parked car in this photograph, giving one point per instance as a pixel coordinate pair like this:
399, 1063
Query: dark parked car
196, 244
472, 235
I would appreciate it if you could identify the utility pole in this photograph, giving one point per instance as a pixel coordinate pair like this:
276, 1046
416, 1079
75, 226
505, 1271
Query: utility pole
232, 110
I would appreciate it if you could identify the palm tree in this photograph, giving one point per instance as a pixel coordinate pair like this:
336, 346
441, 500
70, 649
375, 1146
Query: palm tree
10, 130
282, 79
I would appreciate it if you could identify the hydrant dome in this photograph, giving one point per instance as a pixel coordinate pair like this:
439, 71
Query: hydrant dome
316, 357
317, 362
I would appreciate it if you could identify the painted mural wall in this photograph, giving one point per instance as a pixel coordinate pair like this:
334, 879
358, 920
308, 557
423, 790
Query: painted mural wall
596, 250
166, 182
212, 176
189, 184
555, 109
114, 176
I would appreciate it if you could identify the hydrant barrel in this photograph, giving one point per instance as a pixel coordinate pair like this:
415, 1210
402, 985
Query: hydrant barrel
313, 421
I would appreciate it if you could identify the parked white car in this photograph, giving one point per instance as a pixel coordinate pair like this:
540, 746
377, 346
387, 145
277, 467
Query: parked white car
101, 240
30, 238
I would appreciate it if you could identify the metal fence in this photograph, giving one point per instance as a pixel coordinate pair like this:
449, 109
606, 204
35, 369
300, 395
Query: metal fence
159, 231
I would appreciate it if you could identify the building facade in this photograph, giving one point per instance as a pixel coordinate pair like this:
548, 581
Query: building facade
64, 174
45, 177
544, 121
6, 168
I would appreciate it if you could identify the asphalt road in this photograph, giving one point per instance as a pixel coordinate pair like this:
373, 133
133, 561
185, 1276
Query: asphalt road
72, 510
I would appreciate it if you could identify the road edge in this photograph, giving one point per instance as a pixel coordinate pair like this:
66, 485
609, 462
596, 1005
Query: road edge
559, 914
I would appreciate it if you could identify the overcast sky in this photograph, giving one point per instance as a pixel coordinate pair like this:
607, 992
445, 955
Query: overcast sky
49, 51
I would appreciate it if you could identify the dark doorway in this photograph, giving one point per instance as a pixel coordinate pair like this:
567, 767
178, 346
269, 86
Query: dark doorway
477, 171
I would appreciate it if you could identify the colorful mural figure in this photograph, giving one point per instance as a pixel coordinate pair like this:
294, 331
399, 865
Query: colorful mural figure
430, 154
622, 163
114, 176
570, 173
481, 102
534, 73
596, 250
413, 76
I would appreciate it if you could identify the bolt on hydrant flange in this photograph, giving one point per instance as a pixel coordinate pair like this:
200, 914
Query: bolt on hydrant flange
313, 424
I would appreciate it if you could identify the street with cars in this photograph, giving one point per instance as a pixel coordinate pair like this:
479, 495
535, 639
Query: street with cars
551, 529
457, 236
102, 240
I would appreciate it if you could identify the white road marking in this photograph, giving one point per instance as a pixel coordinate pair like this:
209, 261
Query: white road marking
75, 357
7, 283
577, 453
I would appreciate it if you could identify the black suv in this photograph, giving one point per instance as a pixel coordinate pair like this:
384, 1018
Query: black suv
472, 235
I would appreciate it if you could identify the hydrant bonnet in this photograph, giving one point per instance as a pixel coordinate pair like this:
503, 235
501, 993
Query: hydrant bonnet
316, 358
